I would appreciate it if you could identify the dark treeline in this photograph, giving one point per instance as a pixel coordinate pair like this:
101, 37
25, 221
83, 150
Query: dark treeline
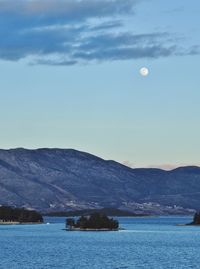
86, 212
94, 221
9, 214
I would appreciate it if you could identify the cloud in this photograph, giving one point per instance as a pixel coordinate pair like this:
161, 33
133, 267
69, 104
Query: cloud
107, 25
68, 10
129, 164
166, 166
69, 32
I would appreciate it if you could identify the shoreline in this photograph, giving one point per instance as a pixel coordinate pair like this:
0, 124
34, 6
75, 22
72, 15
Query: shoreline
92, 230
189, 224
9, 223
19, 223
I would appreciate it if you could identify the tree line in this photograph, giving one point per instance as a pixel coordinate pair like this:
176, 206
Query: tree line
94, 221
9, 214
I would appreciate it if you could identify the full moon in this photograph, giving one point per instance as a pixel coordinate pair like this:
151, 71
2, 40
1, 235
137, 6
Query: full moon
144, 71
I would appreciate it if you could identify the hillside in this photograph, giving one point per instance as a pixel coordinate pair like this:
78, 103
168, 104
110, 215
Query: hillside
63, 179
112, 212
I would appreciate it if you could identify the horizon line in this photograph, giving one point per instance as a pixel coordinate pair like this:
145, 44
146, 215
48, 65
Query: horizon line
164, 166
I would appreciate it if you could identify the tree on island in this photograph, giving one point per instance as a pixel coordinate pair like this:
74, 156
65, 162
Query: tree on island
94, 221
21, 215
70, 222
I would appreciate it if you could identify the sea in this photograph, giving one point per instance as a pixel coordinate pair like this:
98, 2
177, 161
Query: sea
146, 243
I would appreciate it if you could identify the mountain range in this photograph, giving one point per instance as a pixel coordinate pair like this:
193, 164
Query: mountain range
65, 179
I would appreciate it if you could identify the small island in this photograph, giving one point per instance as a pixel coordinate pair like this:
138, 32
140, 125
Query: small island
10, 215
94, 222
196, 219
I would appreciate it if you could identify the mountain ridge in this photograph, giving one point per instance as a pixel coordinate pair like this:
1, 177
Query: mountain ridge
53, 179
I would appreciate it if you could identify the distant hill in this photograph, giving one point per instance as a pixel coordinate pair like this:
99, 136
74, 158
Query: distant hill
66, 179
112, 212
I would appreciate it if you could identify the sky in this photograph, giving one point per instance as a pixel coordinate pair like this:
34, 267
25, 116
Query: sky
70, 78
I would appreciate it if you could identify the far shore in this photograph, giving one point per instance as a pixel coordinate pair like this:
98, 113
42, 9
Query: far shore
9, 223
18, 223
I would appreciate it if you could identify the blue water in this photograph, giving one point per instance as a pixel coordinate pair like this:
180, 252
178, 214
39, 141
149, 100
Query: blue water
155, 243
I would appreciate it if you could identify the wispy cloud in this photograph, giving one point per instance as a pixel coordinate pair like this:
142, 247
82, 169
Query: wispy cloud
68, 32
70, 9
165, 166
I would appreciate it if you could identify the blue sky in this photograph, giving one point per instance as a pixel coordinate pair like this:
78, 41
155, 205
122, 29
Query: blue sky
70, 78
